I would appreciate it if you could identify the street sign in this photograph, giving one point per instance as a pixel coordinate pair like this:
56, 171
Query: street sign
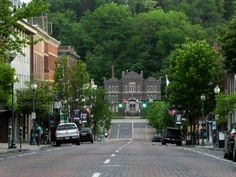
33, 115
178, 119
213, 125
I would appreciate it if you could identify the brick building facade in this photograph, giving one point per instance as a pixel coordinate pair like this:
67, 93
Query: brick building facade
131, 91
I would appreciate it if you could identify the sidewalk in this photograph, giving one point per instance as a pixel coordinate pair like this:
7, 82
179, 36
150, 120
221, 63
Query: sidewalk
208, 146
24, 147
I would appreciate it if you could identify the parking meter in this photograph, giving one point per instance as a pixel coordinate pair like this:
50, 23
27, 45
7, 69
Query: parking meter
9, 135
9, 129
20, 134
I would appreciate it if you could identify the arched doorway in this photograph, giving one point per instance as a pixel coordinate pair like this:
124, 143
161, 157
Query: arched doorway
132, 107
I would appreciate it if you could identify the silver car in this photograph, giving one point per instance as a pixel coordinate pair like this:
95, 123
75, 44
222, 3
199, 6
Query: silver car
67, 133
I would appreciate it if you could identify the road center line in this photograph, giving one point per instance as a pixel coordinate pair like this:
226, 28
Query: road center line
117, 150
113, 155
118, 132
146, 133
107, 161
96, 174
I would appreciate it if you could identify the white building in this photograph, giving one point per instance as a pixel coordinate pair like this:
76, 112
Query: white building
21, 63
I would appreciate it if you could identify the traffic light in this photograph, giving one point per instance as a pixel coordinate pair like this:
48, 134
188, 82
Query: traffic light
120, 105
144, 105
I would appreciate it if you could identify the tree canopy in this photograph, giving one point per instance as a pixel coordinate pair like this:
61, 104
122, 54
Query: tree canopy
225, 106
158, 115
228, 42
111, 35
195, 68
10, 40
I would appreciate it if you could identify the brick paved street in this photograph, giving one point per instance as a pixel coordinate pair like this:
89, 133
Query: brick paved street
118, 159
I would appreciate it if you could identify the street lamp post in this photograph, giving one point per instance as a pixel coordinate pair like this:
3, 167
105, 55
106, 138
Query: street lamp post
33, 139
203, 98
215, 134
13, 145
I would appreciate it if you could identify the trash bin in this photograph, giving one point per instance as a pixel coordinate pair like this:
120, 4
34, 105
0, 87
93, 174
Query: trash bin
221, 143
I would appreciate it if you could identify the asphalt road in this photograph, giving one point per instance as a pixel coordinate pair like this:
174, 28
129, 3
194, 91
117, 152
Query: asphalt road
128, 156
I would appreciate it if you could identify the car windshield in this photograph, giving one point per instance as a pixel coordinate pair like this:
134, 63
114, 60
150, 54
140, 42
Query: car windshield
173, 131
88, 130
66, 127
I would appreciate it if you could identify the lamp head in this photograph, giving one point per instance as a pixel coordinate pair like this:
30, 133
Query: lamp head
203, 97
217, 89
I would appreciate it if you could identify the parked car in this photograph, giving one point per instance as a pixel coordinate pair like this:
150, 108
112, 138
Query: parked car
86, 135
171, 135
67, 133
230, 145
156, 137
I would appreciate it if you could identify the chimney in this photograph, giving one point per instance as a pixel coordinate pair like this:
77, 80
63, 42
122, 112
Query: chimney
113, 71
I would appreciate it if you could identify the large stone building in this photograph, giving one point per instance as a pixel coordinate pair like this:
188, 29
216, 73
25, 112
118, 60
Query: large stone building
131, 91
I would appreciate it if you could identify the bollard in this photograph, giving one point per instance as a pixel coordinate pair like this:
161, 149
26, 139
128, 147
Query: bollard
9, 136
20, 135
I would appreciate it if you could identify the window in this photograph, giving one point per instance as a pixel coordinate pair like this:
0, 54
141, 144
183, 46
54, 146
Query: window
138, 88
151, 88
155, 88
132, 86
109, 89
126, 88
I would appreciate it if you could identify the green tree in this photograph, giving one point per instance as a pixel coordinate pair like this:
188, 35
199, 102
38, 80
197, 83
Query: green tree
70, 81
101, 111
225, 106
158, 116
43, 101
111, 35
10, 40
103, 37
152, 36
63, 23
228, 42
204, 12
6, 81
194, 70
229, 6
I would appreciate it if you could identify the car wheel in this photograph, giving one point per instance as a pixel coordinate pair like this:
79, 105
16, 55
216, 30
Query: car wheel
225, 155
179, 144
230, 155
58, 144
163, 142
234, 155
78, 142
91, 140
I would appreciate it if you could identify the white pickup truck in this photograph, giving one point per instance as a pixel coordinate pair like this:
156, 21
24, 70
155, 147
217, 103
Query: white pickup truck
67, 133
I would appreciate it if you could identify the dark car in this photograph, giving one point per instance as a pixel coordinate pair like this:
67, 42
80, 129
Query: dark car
156, 137
230, 146
172, 135
86, 135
